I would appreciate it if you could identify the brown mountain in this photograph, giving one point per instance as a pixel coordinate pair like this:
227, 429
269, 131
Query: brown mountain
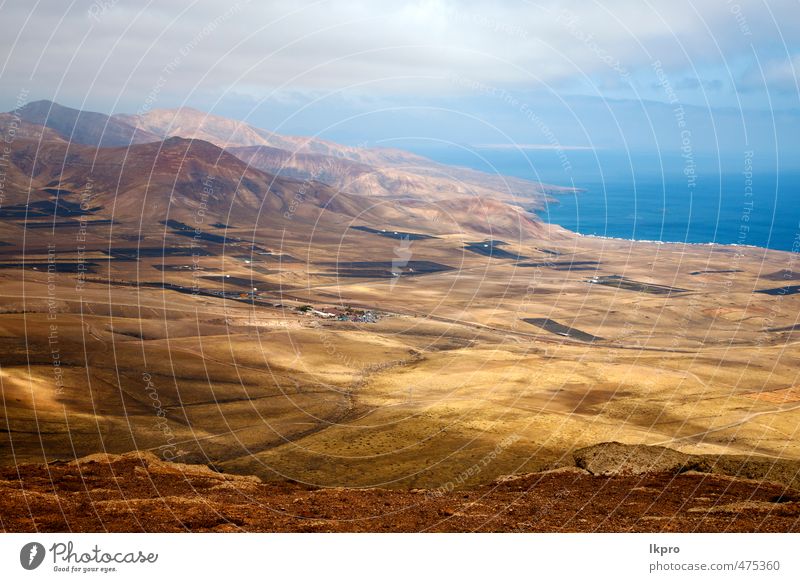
13, 127
184, 180
429, 182
176, 178
84, 127
366, 171
261, 184
193, 124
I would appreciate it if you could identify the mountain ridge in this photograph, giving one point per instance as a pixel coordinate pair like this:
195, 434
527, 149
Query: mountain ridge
83, 127
169, 151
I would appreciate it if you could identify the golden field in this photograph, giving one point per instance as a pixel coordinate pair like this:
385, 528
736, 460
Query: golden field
449, 385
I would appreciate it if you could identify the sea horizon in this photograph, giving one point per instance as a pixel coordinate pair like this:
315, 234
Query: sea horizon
651, 198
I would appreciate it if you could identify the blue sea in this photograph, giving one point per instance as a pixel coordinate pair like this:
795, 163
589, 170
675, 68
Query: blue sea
746, 199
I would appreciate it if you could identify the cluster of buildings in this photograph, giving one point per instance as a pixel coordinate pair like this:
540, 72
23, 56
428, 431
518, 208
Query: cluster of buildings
336, 314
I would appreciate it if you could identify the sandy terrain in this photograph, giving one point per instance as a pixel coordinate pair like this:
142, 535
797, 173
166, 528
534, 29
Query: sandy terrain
448, 372
183, 303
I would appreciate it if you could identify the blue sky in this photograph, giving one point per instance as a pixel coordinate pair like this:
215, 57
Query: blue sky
609, 75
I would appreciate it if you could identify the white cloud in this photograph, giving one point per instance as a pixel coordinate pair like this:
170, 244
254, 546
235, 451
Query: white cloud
783, 75
109, 49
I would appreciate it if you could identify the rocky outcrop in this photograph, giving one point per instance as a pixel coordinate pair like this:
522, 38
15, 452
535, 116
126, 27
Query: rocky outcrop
139, 492
610, 459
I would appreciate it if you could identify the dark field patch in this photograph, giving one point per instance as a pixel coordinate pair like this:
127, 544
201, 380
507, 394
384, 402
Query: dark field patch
711, 272
60, 267
176, 224
787, 290
621, 282
385, 269
782, 275
134, 253
183, 268
565, 265
183, 229
582, 398
45, 208
130, 333
488, 248
69, 224
393, 233
199, 291
561, 329
795, 327
242, 282
263, 270
267, 256
206, 236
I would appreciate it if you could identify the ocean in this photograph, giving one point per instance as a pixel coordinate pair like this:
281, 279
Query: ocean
746, 200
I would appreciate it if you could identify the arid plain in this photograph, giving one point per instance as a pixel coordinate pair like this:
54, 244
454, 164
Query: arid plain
316, 329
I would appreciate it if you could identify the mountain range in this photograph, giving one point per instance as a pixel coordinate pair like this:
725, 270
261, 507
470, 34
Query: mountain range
154, 167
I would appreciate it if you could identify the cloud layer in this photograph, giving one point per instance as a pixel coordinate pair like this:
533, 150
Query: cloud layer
118, 49
592, 73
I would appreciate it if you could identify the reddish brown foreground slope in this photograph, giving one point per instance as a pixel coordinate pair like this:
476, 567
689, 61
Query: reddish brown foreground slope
137, 492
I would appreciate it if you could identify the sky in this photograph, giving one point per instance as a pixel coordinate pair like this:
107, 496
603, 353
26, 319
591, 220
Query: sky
719, 77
